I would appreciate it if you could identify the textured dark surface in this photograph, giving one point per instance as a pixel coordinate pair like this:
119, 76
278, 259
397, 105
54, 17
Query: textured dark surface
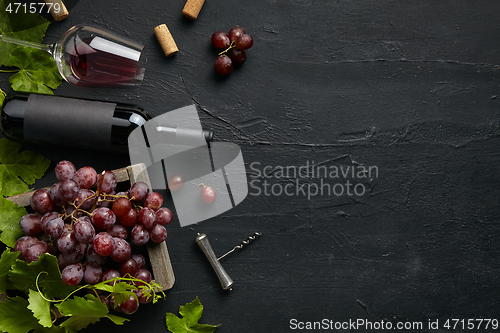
410, 87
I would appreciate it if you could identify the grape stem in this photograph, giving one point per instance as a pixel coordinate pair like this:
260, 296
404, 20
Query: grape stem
231, 46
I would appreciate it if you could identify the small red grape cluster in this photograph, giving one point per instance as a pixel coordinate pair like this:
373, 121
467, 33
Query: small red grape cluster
235, 44
83, 227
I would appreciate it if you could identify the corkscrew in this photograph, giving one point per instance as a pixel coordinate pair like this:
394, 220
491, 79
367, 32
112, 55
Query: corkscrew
225, 281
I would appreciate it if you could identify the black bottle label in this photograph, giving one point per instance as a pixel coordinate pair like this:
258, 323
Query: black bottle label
68, 121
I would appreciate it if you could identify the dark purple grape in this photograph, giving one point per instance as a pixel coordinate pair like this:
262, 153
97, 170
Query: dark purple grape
65, 170
103, 217
82, 199
103, 244
66, 242
92, 274
54, 228
30, 224
175, 183
164, 216
72, 274
23, 243
138, 191
144, 275
223, 65
54, 194
41, 202
154, 201
139, 259
35, 250
130, 219
121, 250
244, 42
220, 40
84, 230
158, 234
110, 274
109, 182
128, 266
238, 56
139, 235
118, 230
61, 262
147, 217
130, 306
121, 206
68, 190
86, 177
47, 217
76, 255
235, 32
93, 258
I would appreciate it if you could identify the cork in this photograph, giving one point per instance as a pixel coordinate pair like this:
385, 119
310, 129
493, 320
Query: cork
166, 40
57, 9
192, 8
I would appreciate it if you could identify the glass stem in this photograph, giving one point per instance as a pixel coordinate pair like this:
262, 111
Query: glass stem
44, 47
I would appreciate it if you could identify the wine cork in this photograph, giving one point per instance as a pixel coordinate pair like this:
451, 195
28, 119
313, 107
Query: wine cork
192, 8
166, 40
57, 9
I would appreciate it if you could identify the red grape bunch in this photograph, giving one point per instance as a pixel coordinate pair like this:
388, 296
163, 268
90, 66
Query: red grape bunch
235, 44
83, 222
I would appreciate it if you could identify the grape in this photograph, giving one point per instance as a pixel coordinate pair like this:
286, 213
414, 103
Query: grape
154, 201
220, 40
121, 250
86, 177
130, 219
66, 242
103, 244
23, 243
72, 274
138, 191
175, 183
139, 235
164, 216
84, 230
34, 251
61, 262
46, 218
143, 297
92, 274
158, 234
93, 258
103, 217
147, 217
65, 170
121, 206
82, 199
109, 182
208, 195
76, 255
110, 274
235, 32
238, 56
54, 228
223, 65
128, 266
41, 201
130, 306
144, 275
68, 190
30, 224
139, 259
54, 194
244, 42
118, 230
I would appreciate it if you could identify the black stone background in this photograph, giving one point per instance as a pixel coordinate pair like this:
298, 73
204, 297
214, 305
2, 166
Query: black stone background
408, 86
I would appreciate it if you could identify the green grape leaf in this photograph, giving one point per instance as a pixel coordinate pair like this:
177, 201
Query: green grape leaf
2, 96
10, 214
26, 26
85, 311
19, 169
37, 72
7, 259
15, 317
24, 277
191, 314
40, 308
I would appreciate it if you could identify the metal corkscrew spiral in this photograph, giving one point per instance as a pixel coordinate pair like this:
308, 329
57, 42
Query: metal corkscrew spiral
242, 244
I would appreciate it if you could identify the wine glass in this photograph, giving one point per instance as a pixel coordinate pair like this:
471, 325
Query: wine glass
91, 56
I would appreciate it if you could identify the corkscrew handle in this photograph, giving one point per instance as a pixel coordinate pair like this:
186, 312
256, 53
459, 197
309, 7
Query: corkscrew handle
225, 281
